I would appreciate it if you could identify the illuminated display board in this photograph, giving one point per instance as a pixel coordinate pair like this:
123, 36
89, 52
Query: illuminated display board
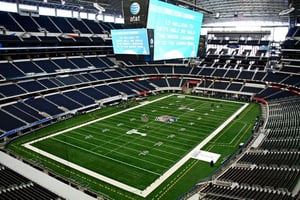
130, 41
176, 30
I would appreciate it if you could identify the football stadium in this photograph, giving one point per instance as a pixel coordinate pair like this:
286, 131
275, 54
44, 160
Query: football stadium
150, 99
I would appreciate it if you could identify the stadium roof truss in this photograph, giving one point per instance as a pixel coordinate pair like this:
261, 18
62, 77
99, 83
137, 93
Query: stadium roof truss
241, 10
215, 11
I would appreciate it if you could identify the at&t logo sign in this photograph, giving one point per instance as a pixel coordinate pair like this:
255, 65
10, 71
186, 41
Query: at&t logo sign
135, 9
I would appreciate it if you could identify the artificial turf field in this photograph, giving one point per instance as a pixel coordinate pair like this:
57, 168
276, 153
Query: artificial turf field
136, 146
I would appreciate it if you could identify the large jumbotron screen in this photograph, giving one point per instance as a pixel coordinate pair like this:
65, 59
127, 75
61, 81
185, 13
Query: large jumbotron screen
176, 30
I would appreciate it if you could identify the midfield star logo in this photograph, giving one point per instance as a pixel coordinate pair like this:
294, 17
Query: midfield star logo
166, 119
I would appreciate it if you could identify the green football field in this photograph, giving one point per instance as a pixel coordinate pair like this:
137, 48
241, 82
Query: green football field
136, 146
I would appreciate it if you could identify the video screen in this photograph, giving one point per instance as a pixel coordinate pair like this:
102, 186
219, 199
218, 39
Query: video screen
176, 30
130, 41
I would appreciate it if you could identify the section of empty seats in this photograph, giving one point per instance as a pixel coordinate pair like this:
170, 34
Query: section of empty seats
89, 77
219, 85
146, 85
281, 144
248, 75
174, 82
137, 70
251, 89
207, 71
28, 110
79, 25
135, 86
31, 86
45, 23
67, 80
106, 26
63, 102
9, 177
64, 63
81, 78
280, 94
235, 86
284, 133
81, 41
113, 74
292, 80
79, 97
30, 41
275, 77
149, 70
259, 76
48, 83
80, 62
165, 69
97, 62
291, 69
8, 23
93, 93
232, 73
98, 40
49, 40
63, 24
100, 75
196, 70
21, 114
10, 41
43, 106
219, 72
11, 89
106, 61
125, 72
26, 22
182, 70
48, 66
93, 26
267, 92
66, 40
240, 192
162, 82
263, 176
272, 158
17, 187
9, 71
29, 68
205, 83
123, 88
11, 121
107, 90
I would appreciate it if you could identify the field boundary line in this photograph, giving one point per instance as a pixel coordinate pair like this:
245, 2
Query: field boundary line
159, 180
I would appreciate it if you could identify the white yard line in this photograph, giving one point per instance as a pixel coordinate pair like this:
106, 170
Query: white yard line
158, 181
